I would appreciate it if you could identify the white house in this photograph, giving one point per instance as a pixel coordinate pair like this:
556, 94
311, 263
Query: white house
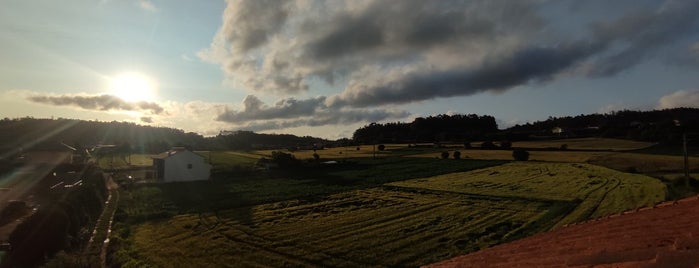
179, 164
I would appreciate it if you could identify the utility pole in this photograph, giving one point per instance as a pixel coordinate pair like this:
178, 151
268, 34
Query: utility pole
686, 159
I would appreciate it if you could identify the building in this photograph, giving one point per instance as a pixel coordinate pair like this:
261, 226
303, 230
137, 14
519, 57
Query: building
180, 164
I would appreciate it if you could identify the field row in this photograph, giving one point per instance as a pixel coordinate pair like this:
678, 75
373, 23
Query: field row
373, 227
600, 191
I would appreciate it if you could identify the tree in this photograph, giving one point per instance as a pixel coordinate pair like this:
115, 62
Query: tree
488, 145
457, 155
283, 159
445, 155
505, 144
520, 154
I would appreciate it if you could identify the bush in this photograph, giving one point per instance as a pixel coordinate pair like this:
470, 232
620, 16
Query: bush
445, 155
488, 145
381, 147
520, 154
457, 155
467, 145
564, 147
505, 144
316, 156
283, 159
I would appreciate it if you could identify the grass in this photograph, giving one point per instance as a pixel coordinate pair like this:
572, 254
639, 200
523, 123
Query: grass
405, 207
150, 201
586, 144
645, 163
122, 161
549, 156
372, 227
600, 191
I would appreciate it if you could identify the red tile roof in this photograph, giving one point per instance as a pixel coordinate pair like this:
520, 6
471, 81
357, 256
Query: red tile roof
666, 235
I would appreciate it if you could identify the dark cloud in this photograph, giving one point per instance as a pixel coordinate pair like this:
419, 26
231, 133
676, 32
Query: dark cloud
147, 119
288, 113
248, 24
396, 52
99, 102
642, 33
326, 118
255, 109
498, 73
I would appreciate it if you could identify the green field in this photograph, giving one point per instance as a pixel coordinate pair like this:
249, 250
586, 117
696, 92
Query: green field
406, 207
383, 212
373, 227
599, 191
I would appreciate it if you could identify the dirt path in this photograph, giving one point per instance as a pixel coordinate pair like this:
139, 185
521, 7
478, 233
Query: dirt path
103, 227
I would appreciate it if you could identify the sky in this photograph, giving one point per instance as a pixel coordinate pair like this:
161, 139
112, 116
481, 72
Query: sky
326, 68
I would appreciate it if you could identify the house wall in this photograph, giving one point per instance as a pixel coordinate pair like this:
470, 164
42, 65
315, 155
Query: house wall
185, 166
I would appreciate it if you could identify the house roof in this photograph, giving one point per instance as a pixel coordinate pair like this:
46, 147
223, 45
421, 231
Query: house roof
666, 235
169, 153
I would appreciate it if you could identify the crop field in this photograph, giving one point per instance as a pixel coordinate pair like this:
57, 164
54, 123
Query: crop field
645, 163
599, 191
371, 227
408, 222
586, 144
339, 152
549, 156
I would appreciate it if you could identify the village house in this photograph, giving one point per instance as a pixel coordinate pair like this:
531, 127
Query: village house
180, 164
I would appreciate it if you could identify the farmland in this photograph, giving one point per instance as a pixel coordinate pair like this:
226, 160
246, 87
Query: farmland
403, 208
371, 227
599, 191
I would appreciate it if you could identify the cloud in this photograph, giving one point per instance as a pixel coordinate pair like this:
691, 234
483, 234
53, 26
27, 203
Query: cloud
288, 113
147, 5
498, 73
638, 35
682, 98
326, 118
279, 48
396, 52
254, 109
98, 102
147, 119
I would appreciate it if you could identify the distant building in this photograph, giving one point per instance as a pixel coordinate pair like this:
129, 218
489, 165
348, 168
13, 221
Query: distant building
180, 164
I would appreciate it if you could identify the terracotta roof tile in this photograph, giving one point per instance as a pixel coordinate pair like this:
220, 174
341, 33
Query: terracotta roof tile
666, 235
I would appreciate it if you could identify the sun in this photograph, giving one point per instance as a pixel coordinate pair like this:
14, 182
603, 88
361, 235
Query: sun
133, 87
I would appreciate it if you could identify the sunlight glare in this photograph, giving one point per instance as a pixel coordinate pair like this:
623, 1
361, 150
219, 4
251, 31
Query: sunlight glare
133, 87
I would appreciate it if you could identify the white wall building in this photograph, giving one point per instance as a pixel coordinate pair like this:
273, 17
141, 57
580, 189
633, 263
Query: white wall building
179, 164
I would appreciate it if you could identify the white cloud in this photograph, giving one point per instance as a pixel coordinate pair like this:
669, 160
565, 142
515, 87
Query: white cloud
682, 98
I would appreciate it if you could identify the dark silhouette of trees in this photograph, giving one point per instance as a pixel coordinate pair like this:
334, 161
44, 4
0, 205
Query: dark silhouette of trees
520, 154
438, 128
655, 126
445, 155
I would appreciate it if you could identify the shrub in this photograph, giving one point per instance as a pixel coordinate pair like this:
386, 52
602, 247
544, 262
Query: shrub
457, 155
445, 155
316, 156
283, 159
505, 144
488, 145
467, 145
520, 154
381, 147
564, 147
